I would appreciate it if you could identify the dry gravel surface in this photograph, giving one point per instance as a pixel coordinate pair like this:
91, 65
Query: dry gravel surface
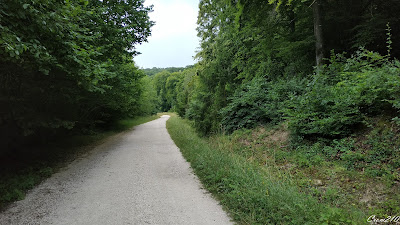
137, 177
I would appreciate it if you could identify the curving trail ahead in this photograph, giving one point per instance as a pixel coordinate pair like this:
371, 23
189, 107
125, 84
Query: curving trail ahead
137, 177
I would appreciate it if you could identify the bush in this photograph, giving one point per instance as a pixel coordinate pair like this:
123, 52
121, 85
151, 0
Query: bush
259, 101
345, 93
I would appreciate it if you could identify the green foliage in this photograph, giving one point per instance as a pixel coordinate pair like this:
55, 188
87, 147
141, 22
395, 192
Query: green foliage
148, 101
66, 65
160, 80
199, 111
336, 217
153, 71
238, 43
174, 90
185, 90
375, 152
344, 94
171, 89
260, 101
245, 39
382, 156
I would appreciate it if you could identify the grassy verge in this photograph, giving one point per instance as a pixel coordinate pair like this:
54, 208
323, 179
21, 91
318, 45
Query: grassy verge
354, 173
129, 123
249, 191
23, 169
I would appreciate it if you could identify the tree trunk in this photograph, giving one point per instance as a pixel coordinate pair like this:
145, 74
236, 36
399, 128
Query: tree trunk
292, 23
319, 40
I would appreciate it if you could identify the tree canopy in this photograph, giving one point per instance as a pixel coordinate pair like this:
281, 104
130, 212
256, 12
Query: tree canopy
68, 64
257, 64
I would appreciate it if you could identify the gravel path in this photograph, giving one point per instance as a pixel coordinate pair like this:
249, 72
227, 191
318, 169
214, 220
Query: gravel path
137, 177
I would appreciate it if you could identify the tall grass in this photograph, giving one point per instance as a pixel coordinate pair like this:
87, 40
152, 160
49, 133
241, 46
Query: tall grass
246, 190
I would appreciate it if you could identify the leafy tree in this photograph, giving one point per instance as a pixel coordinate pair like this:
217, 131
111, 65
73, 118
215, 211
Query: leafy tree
160, 80
185, 90
148, 98
153, 71
68, 64
171, 87
174, 90
275, 41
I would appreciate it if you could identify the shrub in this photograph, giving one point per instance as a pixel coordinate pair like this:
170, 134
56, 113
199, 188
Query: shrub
259, 101
345, 93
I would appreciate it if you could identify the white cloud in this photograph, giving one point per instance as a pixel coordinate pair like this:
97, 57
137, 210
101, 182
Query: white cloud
173, 19
173, 41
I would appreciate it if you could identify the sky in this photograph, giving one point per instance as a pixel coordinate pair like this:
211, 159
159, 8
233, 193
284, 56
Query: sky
173, 41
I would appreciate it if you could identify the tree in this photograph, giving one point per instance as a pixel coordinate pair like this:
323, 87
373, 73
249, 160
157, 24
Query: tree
318, 33
160, 80
318, 22
68, 64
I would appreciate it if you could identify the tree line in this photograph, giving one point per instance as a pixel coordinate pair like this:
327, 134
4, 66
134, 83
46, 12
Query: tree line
67, 66
324, 67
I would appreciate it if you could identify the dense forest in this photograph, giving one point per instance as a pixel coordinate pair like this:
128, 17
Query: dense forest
323, 66
155, 70
67, 67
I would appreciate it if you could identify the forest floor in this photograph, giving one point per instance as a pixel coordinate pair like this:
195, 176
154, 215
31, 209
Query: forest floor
135, 177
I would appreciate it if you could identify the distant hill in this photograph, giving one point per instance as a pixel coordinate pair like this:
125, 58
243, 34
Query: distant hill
155, 70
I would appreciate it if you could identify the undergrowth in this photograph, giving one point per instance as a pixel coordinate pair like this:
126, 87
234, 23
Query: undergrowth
356, 173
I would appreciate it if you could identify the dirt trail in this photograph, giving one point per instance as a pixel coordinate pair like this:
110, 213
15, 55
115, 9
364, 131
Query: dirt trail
138, 177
